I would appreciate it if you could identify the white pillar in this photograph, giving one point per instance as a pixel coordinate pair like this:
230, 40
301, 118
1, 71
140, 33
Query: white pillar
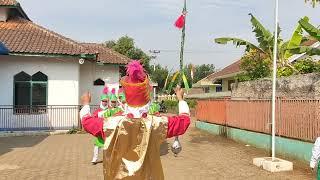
274, 78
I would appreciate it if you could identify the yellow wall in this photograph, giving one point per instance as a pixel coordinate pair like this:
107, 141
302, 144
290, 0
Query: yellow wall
225, 84
213, 89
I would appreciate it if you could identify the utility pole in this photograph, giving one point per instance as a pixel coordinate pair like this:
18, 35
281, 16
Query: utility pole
154, 57
184, 12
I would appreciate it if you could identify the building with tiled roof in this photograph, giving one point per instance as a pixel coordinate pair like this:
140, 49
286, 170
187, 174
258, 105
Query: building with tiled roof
22, 37
105, 54
8, 2
14, 9
219, 81
41, 69
229, 71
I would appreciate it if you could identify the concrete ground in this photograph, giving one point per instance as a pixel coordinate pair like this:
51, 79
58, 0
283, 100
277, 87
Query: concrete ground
204, 156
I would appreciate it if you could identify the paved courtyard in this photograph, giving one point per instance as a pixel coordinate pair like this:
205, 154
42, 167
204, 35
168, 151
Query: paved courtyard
68, 157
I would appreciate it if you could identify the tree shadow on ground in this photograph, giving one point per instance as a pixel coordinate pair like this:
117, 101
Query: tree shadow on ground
203, 137
7, 144
164, 148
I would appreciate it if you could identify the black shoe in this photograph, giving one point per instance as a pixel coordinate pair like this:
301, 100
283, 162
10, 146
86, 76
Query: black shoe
93, 163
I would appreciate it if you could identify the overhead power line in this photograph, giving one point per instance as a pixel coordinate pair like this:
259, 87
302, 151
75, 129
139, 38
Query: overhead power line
195, 51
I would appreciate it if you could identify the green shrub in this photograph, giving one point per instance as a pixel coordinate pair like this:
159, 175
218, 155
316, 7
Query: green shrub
284, 71
173, 105
170, 104
74, 131
192, 103
307, 65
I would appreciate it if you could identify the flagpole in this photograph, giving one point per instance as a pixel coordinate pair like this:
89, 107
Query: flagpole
176, 146
274, 78
182, 42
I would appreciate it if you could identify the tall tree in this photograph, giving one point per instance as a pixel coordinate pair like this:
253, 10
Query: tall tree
159, 75
126, 46
110, 44
202, 71
254, 66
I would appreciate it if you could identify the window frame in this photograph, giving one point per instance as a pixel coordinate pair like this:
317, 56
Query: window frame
101, 80
206, 90
218, 87
30, 108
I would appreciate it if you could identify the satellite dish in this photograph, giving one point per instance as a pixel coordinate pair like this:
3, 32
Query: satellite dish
81, 61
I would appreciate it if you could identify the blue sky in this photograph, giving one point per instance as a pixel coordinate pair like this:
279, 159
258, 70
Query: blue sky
150, 23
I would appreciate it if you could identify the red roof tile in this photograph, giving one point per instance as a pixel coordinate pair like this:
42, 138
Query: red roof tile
23, 36
8, 2
231, 69
106, 55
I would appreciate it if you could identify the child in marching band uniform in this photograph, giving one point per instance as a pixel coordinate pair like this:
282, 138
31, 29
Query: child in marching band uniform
315, 157
98, 141
108, 108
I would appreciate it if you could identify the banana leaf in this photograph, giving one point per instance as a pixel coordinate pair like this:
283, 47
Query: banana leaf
310, 29
306, 49
295, 40
263, 35
237, 42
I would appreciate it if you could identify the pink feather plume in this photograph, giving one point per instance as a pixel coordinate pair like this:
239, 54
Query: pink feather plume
113, 91
135, 72
105, 90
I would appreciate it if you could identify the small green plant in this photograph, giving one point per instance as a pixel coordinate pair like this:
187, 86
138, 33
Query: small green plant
307, 65
192, 103
284, 71
302, 66
170, 104
173, 105
74, 131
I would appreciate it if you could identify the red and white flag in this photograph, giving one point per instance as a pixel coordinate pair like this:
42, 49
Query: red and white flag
180, 22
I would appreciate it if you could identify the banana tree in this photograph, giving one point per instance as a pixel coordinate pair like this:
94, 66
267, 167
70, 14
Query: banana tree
265, 42
313, 2
314, 33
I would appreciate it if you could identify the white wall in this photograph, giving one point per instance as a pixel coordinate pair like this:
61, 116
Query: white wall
63, 89
90, 71
63, 77
3, 14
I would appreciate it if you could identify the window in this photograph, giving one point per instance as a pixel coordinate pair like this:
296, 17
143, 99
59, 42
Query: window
98, 82
30, 92
229, 84
219, 89
218, 81
206, 90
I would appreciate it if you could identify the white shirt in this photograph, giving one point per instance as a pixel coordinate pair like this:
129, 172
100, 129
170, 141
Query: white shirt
315, 153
